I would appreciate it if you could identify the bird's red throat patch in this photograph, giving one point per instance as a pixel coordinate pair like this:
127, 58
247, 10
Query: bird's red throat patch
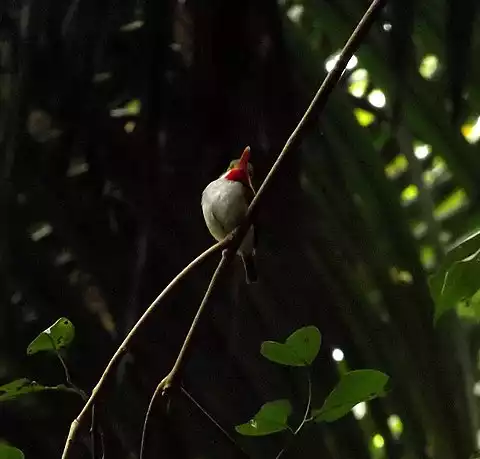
240, 173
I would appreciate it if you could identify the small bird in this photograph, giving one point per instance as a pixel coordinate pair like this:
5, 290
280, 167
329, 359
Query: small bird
225, 203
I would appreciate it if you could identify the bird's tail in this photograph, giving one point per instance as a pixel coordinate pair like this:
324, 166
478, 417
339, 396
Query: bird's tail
250, 268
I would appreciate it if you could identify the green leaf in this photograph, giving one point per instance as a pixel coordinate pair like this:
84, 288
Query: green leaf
469, 309
54, 338
458, 251
271, 418
299, 350
460, 283
461, 251
354, 387
19, 387
10, 452
24, 386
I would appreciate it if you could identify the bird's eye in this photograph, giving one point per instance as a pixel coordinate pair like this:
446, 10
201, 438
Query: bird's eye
234, 163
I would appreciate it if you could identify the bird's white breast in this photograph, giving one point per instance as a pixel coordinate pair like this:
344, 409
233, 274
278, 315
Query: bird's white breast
224, 206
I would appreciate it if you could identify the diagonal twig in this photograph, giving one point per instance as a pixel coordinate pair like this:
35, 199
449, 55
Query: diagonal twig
306, 418
119, 352
232, 243
168, 381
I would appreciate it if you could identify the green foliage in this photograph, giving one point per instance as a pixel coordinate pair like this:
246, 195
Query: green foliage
57, 336
299, 350
24, 386
54, 338
458, 278
461, 282
10, 452
354, 387
271, 418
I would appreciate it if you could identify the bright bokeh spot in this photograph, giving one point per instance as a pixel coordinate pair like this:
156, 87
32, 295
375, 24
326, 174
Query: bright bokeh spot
131, 26
409, 194
427, 256
395, 424
429, 66
400, 276
129, 127
419, 229
445, 237
438, 170
476, 389
451, 204
332, 62
471, 131
359, 410
337, 355
405, 277
364, 118
387, 26
397, 166
358, 83
378, 441
295, 13
131, 108
377, 98
422, 151
40, 231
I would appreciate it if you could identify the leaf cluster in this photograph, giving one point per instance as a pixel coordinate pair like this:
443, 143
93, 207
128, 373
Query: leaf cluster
300, 350
54, 339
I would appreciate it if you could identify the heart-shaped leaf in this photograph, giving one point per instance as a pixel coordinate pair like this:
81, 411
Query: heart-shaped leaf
271, 418
54, 338
299, 350
10, 452
354, 387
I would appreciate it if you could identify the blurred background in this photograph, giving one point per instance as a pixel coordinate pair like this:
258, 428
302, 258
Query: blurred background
115, 115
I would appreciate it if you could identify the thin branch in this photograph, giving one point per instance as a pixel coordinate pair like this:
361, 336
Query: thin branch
214, 422
177, 279
306, 418
316, 106
68, 379
167, 382
204, 412
97, 442
147, 417
82, 394
93, 443
309, 402
321, 97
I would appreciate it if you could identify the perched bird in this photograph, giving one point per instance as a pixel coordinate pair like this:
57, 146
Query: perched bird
224, 204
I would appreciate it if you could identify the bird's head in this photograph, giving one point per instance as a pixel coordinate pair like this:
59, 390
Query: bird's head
240, 170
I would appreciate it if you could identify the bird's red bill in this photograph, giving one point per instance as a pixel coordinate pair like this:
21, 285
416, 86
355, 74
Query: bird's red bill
244, 158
